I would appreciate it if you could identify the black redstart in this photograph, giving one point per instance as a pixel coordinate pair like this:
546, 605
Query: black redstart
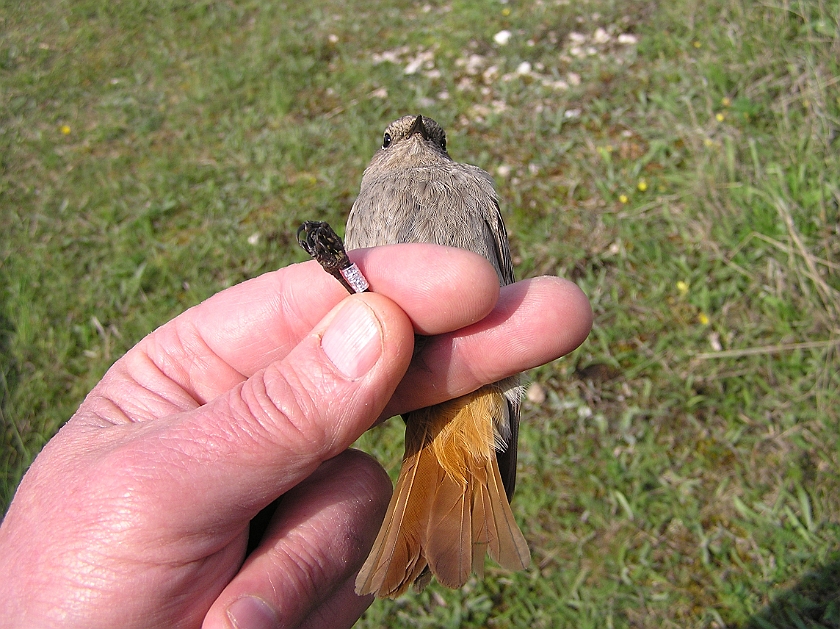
451, 503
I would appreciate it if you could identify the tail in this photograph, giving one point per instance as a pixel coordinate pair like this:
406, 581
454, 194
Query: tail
449, 507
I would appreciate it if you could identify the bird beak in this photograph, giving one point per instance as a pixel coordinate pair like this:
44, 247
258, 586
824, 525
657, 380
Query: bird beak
418, 127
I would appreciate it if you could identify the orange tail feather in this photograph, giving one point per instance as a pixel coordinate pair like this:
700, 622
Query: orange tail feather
449, 507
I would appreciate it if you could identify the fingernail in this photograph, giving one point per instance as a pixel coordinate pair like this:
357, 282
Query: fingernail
250, 612
353, 340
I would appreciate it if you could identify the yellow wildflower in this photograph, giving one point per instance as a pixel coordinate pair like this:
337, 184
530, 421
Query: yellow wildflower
682, 287
642, 185
506, 11
720, 117
623, 198
65, 129
725, 101
703, 318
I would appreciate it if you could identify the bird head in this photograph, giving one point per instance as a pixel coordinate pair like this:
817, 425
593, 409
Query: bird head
415, 128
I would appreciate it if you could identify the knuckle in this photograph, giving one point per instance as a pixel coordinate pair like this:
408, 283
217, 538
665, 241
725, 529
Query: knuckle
284, 408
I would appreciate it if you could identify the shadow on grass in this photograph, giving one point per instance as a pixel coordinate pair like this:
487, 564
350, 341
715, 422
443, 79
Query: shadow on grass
812, 603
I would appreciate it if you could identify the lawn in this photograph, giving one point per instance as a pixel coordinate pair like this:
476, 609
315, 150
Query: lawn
680, 161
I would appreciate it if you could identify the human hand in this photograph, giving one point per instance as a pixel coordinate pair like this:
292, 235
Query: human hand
136, 514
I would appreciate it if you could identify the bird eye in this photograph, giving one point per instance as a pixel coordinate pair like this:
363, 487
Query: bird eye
386, 141
443, 144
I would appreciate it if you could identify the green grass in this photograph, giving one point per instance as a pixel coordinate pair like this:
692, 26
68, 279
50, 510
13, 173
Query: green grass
683, 469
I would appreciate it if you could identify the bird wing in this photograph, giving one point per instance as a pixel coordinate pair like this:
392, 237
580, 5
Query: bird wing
493, 222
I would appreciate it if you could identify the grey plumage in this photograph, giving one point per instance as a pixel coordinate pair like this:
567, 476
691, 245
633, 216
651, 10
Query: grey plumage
412, 191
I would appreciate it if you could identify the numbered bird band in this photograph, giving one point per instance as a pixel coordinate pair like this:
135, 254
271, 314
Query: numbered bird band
353, 276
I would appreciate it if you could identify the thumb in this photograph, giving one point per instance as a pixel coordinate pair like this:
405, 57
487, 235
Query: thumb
264, 436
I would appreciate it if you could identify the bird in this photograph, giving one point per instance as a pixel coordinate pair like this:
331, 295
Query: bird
451, 502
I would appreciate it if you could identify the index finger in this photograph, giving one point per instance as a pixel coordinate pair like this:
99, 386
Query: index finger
221, 342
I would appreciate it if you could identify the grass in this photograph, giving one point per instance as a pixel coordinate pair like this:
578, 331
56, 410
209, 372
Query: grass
682, 470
